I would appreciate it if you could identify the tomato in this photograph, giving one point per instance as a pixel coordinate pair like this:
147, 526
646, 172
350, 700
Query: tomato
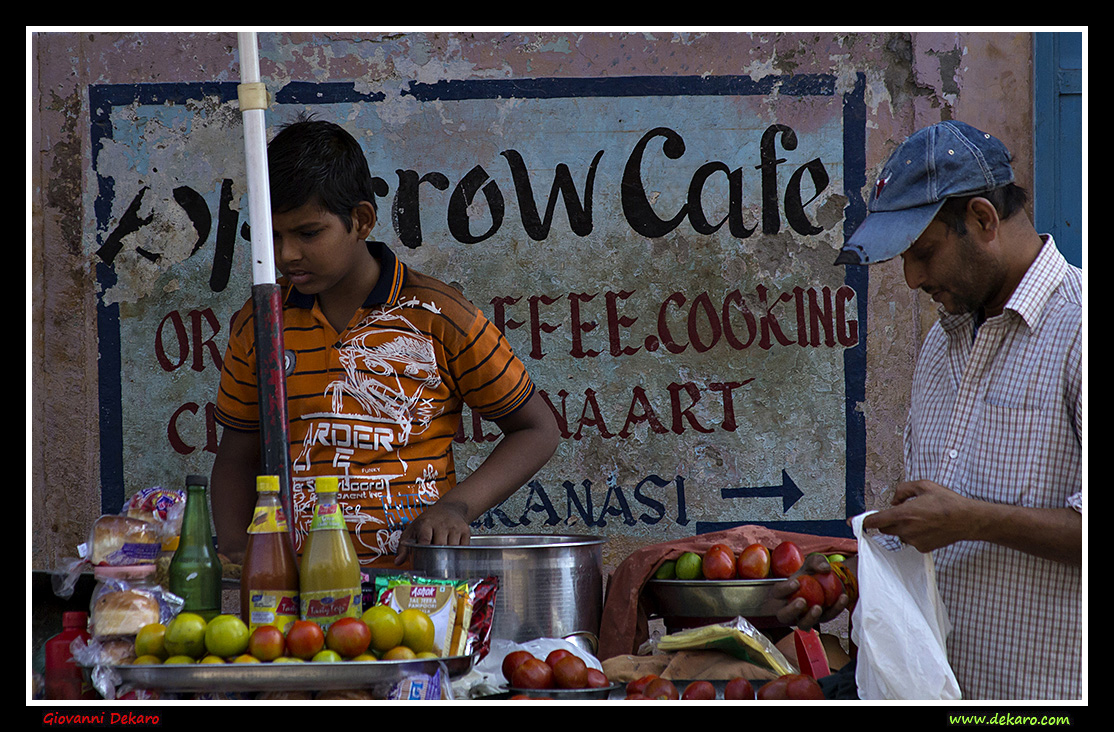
304, 639
556, 655
661, 689
738, 688
597, 679
512, 660
639, 685
699, 690
800, 686
753, 562
832, 586
570, 672
348, 636
785, 559
718, 563
774, 689
533, 673
810, 590
266, 643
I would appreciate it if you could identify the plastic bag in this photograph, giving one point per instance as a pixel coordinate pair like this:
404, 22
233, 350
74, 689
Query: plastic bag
899, 625
737, 638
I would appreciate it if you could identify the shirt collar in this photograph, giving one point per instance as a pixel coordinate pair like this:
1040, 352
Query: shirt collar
392, 276
1031, 295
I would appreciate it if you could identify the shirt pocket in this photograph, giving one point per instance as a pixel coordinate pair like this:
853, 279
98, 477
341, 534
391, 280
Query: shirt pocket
1003, 467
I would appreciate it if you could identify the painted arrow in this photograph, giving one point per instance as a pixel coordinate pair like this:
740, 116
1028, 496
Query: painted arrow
788, 491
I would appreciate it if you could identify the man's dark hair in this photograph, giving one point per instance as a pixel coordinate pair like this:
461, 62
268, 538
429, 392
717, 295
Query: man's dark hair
314, 159
1007, 200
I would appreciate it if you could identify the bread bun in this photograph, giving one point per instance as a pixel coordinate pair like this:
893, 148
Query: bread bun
123, 613
122, 540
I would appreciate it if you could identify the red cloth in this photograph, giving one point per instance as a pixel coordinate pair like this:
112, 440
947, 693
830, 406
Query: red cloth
624, 622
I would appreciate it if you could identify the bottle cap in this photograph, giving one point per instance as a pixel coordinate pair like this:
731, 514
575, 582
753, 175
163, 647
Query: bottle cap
325, 484
267, 483
197, 480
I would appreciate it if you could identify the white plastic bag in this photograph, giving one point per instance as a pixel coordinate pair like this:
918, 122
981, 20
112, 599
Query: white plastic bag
899, 625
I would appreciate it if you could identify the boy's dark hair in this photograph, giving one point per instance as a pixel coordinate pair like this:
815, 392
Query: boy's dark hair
314, 159
1007, 200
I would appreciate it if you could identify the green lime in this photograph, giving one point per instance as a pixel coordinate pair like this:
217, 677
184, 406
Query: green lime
667, 570
689, 566
185, 636
226, 636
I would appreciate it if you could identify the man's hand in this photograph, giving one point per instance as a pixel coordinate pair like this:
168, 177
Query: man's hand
445, 523
797, 613
926, 515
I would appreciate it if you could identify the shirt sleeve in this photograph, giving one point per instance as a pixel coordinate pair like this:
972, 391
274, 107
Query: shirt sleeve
492, 380
238, 396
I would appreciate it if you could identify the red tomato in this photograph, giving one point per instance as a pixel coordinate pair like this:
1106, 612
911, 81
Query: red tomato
533, 673
774, 689
800, 686
556, 655
785, 559
638, 686
753, 562
512, 660
570, 672
738, 688
699, 690
348, 636
597, 679
304, 639
832, 586
266, 643
809, 589
661, 689
719, 563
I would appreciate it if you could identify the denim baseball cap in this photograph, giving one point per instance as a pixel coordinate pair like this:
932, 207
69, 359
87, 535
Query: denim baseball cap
938, 162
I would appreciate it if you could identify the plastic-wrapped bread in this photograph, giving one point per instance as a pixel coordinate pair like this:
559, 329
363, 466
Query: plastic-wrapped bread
122, 612
122, 540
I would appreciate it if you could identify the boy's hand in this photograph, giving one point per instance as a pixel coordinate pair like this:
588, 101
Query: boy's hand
444, 523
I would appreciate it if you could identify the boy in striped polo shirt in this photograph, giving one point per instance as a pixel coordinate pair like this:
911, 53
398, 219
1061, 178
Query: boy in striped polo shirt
380, 360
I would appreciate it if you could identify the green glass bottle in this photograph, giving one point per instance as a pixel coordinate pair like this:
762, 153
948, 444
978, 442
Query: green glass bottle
195, 569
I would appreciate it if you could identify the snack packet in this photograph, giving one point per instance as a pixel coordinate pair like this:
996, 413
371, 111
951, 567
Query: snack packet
736, 637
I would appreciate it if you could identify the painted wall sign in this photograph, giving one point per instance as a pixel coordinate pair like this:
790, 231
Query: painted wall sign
658, 250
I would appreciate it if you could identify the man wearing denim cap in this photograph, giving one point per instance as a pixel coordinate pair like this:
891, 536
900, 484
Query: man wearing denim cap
993, 441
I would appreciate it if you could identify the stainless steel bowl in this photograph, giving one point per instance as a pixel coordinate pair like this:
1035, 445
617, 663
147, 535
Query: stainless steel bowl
550, 586
712, 598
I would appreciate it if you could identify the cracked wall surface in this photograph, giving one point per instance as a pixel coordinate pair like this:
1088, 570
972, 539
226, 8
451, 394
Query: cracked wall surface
908, 80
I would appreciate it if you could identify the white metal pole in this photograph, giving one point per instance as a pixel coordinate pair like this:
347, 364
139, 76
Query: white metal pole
253, 105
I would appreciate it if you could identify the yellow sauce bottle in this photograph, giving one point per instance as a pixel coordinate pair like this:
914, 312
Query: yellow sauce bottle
329, 573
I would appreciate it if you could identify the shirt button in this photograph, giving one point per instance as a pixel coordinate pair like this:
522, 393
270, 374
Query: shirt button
953, 454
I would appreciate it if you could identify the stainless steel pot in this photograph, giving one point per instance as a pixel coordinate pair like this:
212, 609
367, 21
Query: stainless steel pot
550, 586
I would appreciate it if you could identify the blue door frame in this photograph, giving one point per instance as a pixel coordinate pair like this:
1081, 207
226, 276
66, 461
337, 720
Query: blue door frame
1058, 139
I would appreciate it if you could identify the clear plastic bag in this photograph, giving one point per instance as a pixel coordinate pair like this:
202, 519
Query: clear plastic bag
899, 625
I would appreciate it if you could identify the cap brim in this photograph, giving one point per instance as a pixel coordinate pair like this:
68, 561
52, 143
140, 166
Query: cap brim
884, 235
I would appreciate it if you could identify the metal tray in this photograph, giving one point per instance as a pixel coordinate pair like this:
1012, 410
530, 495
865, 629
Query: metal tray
307, 676
712, 598
602, 692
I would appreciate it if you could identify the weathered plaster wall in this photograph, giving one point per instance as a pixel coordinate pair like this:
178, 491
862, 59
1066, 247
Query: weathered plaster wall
910, 80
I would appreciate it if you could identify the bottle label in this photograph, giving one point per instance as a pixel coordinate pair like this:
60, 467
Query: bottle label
268, 520
328, 606
328, 516
276, 608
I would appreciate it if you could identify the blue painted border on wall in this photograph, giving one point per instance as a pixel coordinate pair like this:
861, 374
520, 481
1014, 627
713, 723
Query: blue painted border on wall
103, 98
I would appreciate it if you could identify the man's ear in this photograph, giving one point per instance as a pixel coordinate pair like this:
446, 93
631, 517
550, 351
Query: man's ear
982, 218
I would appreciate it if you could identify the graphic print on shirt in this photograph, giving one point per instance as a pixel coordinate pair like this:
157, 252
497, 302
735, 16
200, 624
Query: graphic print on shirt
378, 405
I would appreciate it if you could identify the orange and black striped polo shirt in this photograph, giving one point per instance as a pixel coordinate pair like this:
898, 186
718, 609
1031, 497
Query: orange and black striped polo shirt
379, 404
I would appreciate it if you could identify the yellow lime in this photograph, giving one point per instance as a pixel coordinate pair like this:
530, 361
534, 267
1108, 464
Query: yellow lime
426, 654
417, 630
326, 656
179, 659
385, 626
185, 635
226, 636
689, 566
149, 641
399, 653
246, 658
211, 659
146, 659
365, 657
288, 659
